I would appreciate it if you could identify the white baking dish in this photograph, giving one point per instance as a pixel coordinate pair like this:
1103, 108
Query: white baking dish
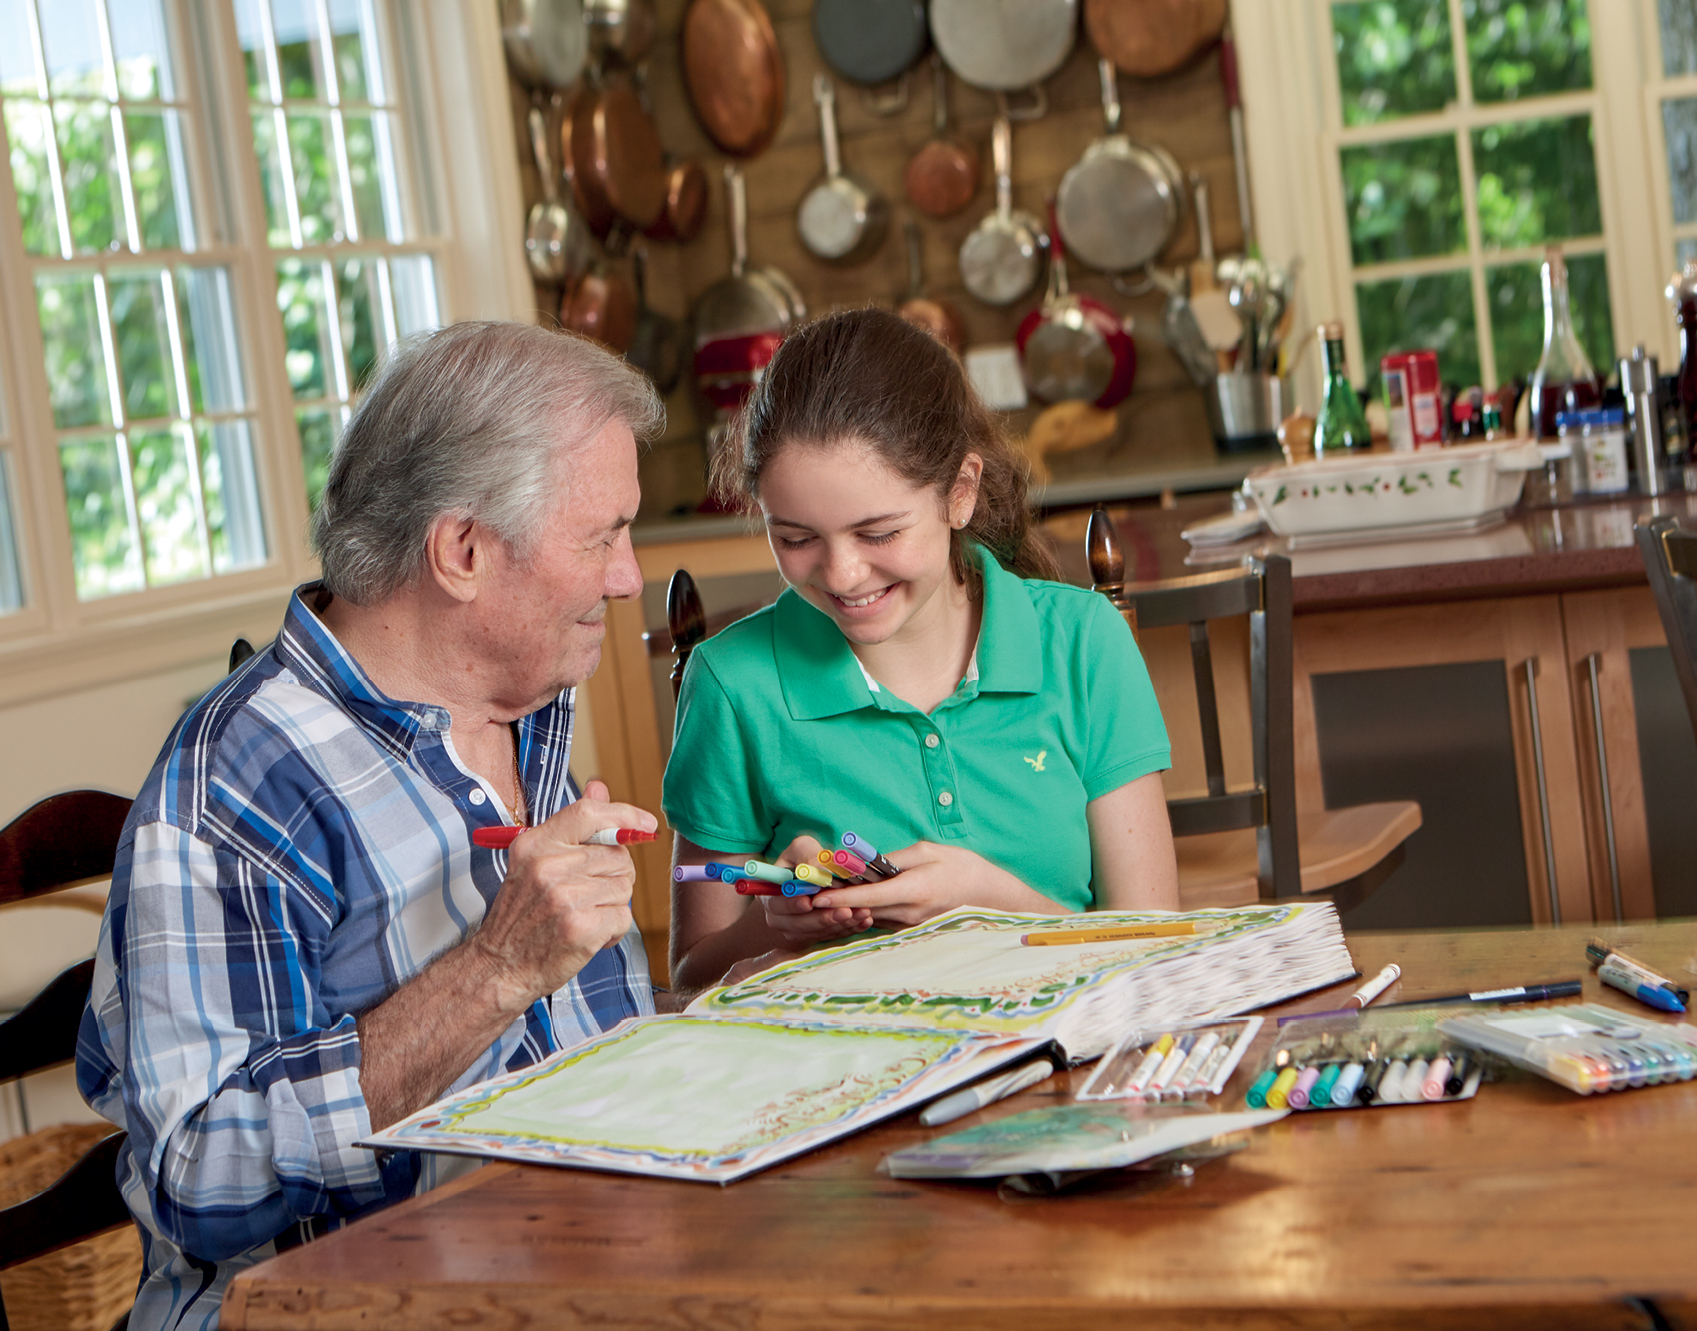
1432, 489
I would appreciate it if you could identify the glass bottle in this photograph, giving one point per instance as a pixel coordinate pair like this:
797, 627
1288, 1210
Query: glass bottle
1564, 379
1682, 291
1342, 427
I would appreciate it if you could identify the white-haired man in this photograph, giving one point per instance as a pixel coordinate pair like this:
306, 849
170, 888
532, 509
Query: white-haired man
302, 943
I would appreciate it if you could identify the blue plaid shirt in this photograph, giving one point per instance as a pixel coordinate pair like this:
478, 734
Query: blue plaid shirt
301, 849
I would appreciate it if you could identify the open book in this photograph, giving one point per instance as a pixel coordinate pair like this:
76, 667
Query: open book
810, 1051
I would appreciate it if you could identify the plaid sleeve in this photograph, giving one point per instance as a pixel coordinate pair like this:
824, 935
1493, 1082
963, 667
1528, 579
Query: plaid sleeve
240, 1088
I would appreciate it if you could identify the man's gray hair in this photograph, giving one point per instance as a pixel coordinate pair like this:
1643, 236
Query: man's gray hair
468, 421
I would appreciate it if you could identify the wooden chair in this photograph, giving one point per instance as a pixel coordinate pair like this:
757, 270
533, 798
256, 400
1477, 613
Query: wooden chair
1240, 846
63, 840
687, 622
1670, 558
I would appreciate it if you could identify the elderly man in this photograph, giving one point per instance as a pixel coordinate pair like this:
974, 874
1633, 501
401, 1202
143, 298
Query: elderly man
302, 944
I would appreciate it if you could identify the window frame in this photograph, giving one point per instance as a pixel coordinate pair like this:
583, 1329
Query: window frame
442, 54
1294, 124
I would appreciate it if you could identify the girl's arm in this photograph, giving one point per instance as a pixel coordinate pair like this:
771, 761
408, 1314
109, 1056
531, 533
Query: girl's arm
1131, 847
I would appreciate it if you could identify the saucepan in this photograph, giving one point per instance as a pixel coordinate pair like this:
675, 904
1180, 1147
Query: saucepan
618, 165
842, 219
546, 41
734, 73
622, 29
686, 204
554, 242
872, 43
1148, 38
1001, 260
937, 317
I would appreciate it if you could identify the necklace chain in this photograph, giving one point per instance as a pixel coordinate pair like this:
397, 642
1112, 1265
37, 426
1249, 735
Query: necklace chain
518, 805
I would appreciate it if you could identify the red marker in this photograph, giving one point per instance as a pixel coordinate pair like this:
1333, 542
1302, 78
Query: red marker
753, 887
500, 838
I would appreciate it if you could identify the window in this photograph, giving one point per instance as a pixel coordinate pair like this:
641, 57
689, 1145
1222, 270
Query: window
1672, 94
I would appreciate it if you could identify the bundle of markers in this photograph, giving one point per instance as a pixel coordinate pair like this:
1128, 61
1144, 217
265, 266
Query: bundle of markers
1185, 1063
1331, 1074
857, 862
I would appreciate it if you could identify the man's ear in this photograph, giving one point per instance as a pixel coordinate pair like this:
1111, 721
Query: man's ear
456, 554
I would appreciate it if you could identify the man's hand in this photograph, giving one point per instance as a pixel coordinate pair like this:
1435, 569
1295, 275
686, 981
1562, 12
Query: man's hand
798, 920
561, 901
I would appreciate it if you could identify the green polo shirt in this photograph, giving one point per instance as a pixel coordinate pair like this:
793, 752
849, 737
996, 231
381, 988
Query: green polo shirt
780, 732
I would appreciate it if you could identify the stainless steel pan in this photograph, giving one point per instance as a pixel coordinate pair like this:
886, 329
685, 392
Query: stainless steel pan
556, 244
547, 43
1004, 44
1119, 204
1002, 259
623, 29
842, 219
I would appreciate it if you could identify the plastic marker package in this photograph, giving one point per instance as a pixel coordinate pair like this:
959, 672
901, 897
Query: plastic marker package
1173, 1063
1585, 1047
1365, 1060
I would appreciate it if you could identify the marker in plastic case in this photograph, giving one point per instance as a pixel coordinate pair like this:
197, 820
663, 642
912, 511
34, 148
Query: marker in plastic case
1192, 1067
1321, 1096
1298, 1095
1460, 1066
1171, 1064
1414, 1079
1258, 1089
1348, 1082
1278, 1094
1151, 1063
1437, 1078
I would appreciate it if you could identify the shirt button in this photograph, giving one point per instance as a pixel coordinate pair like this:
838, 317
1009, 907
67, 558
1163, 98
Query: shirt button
931, 741
477, 796
945, 799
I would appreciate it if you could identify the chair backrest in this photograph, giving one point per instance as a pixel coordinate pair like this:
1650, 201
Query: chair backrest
1261, 591
687, 622
63, 839
1670, 559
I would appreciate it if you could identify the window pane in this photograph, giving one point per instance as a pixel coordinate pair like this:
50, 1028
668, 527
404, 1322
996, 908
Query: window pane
140, 50
144, 347
91, 182
1395, 58
1412, 313
206, 323
26, 128
251, 36
1404, 199
165, 484
318, 441
17, 57
1527, 48
413, 279
1517, 314
156, 154
1679, 125
316, 194
70, 335
1685, 249
271, 179
355, 48
70, 35
1537, 182
370, 172
361, 308
103, 545
11, 573
296, 28
1679, 37
300, 297
231, 493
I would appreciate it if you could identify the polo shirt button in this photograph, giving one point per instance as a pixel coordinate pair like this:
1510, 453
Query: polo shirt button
477, 796
931, 741
945, 799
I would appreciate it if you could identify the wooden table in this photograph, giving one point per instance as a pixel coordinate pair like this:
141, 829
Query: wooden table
1528, 1206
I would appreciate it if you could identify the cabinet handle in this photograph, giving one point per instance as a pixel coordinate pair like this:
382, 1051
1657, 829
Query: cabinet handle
1593, 664
1530, 667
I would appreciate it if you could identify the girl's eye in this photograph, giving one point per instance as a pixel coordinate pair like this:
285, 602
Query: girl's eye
793, 543
882, 538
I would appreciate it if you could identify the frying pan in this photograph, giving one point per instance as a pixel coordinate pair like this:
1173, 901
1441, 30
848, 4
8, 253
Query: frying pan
601, 306
936, 317
869, 41
686, 204
618, 165
554, 242
1000, 261
623, 29
841, 218
1004, 44
577, 126
1075, 347
545, 40
1119, 204
656, 347
942, 177
1148, 38
734, 73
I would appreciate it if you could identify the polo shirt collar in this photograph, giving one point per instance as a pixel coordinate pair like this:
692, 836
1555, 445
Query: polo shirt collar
822, 677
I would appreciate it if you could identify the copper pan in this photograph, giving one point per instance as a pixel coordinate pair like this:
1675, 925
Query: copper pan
942, 177
618, 166
1148, 38
577, 126
601, 306
686, 204
937, 317
734, 73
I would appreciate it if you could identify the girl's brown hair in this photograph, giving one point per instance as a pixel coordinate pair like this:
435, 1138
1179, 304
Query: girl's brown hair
872, 377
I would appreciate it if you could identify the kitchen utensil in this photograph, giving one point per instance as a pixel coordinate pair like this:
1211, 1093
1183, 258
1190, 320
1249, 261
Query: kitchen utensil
870, 41
1248, 297
1240, 155
554, 240
1211, 310
1074, 347
1000, 260
1179, 329
841, 218
601, 305
1148, 38
545, 40
621, 29
686, 204
937, 317
1119, 204
1244, 409
656, 345
618, 165
942, 177
1004, 44
733, 72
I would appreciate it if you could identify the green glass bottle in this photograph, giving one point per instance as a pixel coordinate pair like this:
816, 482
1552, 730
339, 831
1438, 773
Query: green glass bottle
1342, 427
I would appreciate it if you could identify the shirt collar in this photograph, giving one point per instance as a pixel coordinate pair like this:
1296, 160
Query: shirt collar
822, 677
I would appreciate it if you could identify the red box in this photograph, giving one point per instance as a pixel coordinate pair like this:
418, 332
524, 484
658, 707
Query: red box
1413, 400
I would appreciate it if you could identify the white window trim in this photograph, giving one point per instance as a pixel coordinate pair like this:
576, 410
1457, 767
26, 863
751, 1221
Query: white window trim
457, 86
1294, 127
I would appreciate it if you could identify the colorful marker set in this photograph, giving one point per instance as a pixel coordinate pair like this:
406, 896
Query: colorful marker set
1181, 1063
1585, 1047
857, 861
1344, 1061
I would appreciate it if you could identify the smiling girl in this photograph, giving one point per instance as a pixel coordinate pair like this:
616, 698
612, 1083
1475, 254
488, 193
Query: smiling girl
923, 682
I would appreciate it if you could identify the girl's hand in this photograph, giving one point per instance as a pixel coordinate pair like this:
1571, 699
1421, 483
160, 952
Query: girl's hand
801, 921
933, 879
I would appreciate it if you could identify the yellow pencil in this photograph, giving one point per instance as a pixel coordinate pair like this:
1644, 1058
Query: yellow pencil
1176, 929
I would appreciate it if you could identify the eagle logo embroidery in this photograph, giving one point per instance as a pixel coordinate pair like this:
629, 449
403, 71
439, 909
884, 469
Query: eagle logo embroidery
1037, 762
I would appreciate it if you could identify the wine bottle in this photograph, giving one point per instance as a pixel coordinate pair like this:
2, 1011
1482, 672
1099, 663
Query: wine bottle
1342, 427
1564, 379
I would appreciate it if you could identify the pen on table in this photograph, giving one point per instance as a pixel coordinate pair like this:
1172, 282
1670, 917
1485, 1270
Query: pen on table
1632, 982
1601, 953
500, 838
961, 1103
1376, 986
1524, 993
